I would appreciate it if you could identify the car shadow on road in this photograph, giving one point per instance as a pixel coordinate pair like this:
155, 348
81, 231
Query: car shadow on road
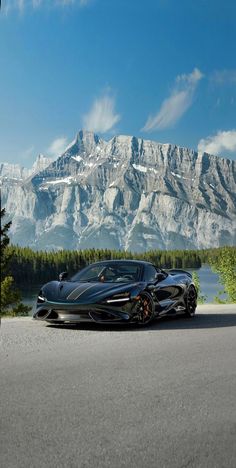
166, 323
199, 321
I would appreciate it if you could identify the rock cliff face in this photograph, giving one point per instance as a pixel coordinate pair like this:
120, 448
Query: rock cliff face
127, 193
15, 171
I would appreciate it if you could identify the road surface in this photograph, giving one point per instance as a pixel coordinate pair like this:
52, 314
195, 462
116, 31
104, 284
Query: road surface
90, 396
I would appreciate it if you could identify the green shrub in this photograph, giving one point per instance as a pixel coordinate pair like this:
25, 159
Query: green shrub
201, 298
225, 265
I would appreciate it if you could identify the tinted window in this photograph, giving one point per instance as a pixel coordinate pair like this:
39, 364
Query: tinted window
89, 274
150, 273
109, 273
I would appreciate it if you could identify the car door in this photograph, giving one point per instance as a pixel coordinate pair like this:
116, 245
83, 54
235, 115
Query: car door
163, 289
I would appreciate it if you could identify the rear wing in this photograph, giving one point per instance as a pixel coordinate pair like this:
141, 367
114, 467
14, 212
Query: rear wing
176, 271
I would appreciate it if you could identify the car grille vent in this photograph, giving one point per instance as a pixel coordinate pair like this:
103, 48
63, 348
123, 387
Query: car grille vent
102, 316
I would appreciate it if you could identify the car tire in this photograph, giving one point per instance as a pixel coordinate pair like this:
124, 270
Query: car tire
145, 309
191, 302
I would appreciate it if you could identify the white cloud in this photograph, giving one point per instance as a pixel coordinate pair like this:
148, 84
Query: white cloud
173, 108
223, 141
102, 116
36, 3
21, 5
57, 147
221, 77
29, 151
27, 154
84, 2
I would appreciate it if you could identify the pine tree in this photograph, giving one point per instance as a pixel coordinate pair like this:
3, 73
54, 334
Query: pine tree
10, 299
5, 257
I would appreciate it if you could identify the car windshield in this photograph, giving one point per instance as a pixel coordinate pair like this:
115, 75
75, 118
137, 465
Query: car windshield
109, 273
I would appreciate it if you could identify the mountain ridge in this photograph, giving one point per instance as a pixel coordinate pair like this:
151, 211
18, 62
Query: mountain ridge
16, 171
127, 193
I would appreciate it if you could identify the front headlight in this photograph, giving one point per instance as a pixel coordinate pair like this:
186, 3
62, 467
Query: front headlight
122, 297
41, 298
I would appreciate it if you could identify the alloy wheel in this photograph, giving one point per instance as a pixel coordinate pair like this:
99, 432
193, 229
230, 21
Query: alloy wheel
144, 309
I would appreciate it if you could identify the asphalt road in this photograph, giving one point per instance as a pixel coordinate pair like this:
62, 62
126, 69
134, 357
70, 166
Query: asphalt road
90, 396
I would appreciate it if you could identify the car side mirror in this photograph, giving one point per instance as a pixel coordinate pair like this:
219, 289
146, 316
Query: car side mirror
159, 276
63, 276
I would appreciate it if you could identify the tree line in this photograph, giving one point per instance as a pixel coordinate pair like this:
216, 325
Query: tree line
29, 267
33, 267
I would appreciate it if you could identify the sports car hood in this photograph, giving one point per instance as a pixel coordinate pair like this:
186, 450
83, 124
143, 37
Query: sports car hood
68, 291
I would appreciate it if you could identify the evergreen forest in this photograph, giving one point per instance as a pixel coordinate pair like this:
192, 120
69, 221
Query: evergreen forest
30, 267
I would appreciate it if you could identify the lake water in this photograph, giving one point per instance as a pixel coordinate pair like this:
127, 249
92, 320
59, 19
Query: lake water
209, 282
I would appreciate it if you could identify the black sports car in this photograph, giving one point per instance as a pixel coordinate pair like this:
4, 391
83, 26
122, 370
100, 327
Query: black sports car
117, 291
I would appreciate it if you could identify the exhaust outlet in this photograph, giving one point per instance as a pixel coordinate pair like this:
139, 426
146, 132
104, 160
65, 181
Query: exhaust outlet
42, 314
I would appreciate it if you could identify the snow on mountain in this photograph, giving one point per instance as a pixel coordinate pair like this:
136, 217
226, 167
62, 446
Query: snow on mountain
127, 193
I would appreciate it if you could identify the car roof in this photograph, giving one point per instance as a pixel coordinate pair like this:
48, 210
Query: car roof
138, 262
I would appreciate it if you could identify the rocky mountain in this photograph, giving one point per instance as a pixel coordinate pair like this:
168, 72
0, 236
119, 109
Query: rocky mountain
40, 164
127, 193
17, 172
13, 171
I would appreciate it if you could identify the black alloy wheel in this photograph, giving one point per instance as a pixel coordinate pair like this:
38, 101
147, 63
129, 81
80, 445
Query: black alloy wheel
144, 309
191, 302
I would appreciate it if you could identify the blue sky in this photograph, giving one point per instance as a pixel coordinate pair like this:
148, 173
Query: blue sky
160, 69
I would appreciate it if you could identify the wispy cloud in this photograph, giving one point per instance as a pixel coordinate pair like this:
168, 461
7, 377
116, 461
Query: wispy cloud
57, 147
223, 141
27, 154
36, 3
174, 107
221, 77
22, 5
84, 2
102, 116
